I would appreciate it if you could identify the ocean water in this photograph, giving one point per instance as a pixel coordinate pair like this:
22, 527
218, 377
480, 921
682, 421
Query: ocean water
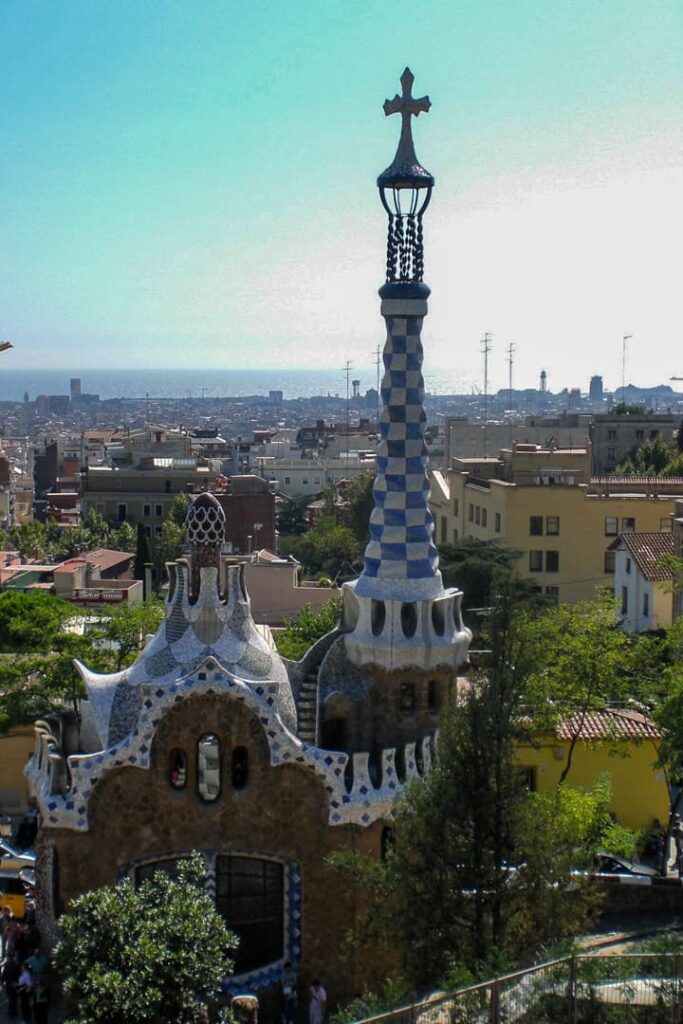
190, 383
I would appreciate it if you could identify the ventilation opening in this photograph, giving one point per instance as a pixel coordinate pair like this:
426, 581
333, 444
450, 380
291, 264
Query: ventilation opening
400, 763
378, 614
408, 619
240, 767
348, 774
419, 757
439, 618
375, 767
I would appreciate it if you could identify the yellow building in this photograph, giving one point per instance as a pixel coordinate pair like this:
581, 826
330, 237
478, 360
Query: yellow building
620, 743
544, 503
16, 746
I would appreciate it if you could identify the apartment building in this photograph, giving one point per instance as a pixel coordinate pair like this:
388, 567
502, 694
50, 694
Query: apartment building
613, 436
143, 493
544, 503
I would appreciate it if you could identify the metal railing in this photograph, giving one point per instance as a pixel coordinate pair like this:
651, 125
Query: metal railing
629, 988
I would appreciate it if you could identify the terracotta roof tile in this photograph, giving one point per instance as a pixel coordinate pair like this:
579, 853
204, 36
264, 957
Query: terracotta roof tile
647, 550
609, 723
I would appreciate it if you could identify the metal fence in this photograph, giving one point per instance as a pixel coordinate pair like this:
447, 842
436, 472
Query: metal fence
629, 988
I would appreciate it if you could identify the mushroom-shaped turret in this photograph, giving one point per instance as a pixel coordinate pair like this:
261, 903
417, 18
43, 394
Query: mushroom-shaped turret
205, 534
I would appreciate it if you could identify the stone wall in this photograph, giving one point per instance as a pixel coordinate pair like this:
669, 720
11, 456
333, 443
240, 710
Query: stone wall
282, 812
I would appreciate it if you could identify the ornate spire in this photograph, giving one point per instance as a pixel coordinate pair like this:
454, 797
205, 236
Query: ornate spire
397, 613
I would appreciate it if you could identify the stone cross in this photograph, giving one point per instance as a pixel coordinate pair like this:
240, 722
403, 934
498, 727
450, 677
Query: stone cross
407, 106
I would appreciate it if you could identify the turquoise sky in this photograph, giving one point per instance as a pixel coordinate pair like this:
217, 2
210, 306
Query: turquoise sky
192, 183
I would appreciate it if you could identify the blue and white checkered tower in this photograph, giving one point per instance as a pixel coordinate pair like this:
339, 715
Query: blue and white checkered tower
399, 613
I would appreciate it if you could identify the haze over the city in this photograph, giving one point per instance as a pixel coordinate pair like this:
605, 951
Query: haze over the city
193, 185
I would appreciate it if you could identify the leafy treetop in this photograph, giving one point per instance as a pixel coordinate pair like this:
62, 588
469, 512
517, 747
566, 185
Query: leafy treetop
153, 953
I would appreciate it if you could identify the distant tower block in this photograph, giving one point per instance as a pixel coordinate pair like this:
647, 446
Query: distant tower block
356, 386
398, 612
75, 388
596, 392
544, 382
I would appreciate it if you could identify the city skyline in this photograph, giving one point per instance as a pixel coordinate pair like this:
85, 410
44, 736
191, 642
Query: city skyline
179, 191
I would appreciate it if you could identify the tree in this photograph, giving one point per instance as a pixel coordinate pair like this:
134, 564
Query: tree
479, 869
157, 952
178, 510
327, 548
651, 458
292, 519
679, 437
142, 556
128, 625
302, 632
360, 503
583, 661
31, 620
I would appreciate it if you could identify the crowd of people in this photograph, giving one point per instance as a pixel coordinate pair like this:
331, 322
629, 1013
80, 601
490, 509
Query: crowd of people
24, 967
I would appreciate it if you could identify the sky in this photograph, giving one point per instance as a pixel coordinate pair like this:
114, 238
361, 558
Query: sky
192, 184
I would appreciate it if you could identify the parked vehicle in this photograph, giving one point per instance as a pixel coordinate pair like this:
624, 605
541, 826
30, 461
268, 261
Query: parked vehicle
610, 864
11, 858
12, 892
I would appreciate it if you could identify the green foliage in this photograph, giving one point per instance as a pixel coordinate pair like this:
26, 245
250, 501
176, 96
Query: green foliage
395, 992
582, 662
625, 409
620, 840
178, 510
360, 503
327, 548
30, 620
302, 632
479, 873
128, 625
474, 565
652, 458
292, 519
50, 543
155, 953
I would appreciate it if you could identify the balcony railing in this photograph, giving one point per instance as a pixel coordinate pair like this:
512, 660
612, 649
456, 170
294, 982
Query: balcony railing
631, 988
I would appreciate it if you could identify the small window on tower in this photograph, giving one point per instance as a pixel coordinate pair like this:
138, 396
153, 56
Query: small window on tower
407, 698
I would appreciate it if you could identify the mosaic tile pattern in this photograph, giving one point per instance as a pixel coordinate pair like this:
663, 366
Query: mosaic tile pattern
211, 627
401, 547
62, 787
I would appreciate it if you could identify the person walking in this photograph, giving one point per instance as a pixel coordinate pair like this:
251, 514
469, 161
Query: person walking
316, 1010
24, 990
10, 981
5, 919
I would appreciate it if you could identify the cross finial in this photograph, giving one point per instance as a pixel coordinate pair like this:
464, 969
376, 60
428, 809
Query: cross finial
406, 104
405, 164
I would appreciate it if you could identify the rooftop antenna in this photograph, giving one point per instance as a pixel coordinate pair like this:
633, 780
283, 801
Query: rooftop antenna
627, 337
511, 352
486, 348
347, 371
147, 400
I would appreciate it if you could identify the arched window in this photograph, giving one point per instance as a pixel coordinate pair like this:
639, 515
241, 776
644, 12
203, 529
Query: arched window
240, 767
250, 898
209, 767
177, 774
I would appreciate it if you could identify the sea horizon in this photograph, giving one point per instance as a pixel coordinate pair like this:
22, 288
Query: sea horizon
186, 383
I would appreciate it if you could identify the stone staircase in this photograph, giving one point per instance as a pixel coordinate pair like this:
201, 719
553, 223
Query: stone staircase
307, 709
